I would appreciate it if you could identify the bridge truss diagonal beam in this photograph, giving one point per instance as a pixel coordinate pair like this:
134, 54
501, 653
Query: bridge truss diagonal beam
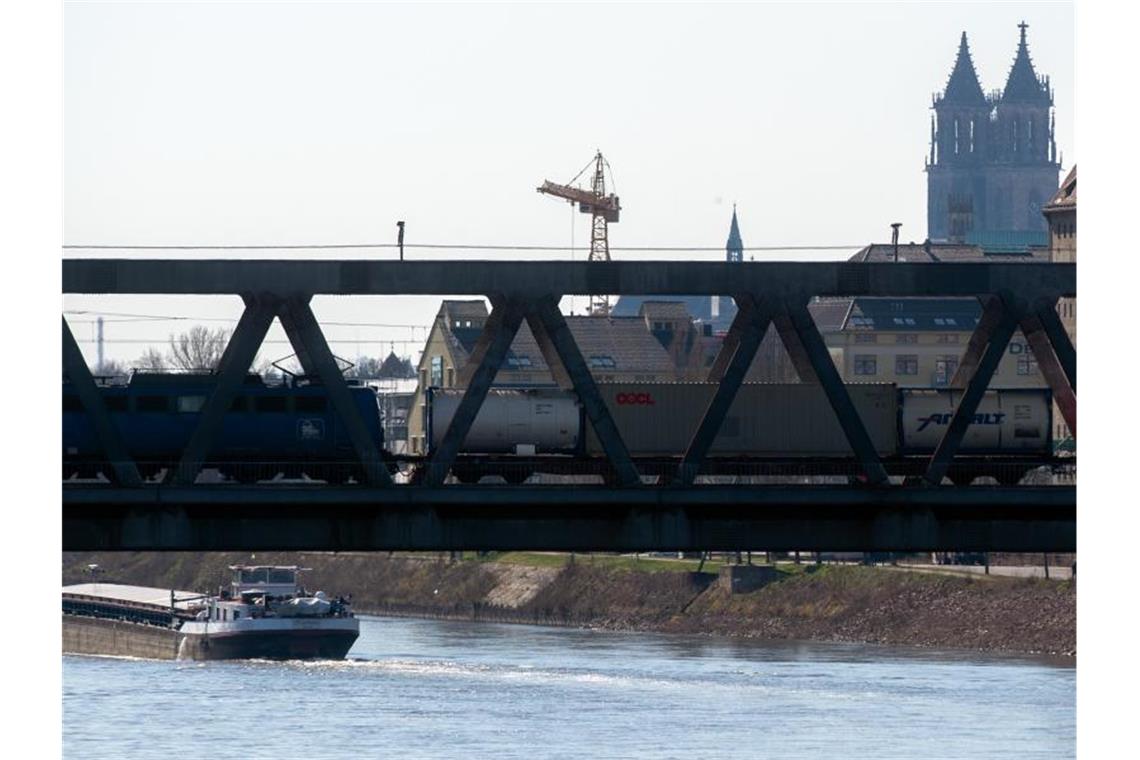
487, 356
739, 326
1060, 341
825, 370
797, 352
1063, 393
122, 465
992, 311
748, 330
562, 340
305, 334
293, 332
546, 348
236, 360
994, 337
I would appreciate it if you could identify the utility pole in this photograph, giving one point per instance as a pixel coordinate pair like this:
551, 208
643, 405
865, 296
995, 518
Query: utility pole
99, 344
895, 238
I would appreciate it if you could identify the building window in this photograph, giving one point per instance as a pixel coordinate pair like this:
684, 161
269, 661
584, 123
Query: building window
1026, 365
437, 371
906, 364
450, 377
944, 369
947, 338
906, 338
605, 362
972, 122
866, 364
866, 338
955, 137
519, 362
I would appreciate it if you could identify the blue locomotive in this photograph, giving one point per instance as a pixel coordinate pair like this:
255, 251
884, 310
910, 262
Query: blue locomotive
285, 429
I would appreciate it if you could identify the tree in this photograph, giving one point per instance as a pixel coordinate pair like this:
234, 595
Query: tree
152, 360
371, 367
365, 367
199, 348
110, 368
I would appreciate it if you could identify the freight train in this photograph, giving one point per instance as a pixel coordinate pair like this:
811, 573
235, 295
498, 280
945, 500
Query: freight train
270, 430
770, 429
290, 429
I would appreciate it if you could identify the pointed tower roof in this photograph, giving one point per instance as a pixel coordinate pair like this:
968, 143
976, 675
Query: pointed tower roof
963, 87
1023, 86
735, 246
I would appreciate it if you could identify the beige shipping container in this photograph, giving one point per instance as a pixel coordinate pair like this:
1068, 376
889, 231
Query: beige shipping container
765, 419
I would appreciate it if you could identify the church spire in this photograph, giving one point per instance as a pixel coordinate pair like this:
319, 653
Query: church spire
735, 246
963, 87
1023, 84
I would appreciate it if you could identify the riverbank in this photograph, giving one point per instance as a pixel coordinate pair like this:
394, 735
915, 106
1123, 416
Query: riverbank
825, 603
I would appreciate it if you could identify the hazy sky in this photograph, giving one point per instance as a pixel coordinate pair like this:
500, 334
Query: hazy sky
267, 123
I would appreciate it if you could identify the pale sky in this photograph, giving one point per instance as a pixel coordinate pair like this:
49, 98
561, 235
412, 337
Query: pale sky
268, 123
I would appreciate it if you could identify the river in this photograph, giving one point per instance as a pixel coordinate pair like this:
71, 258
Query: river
423, 689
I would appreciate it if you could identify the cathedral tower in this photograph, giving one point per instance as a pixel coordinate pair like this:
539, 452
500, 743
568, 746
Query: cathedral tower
992, 162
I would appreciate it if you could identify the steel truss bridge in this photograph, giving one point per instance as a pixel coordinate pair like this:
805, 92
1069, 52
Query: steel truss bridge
627, 514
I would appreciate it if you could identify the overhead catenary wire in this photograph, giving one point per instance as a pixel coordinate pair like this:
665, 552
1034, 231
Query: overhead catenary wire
124, 317
451, 246
145, 341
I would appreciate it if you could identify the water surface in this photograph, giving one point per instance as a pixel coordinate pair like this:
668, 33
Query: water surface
413, 688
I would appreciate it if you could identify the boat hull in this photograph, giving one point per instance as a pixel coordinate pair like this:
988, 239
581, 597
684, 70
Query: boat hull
120, 638
269, 645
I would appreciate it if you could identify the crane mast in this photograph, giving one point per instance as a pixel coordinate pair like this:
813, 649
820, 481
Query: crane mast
602, 208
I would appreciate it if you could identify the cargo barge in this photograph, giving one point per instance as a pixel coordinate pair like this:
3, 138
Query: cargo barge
264, 614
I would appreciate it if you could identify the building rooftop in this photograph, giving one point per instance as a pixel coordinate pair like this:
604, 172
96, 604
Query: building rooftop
616, 343
997, 250
913, 314
670, 310
1066, 196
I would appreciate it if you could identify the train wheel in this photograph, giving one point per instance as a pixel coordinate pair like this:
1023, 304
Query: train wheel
1010, 478
465, 475
516, 477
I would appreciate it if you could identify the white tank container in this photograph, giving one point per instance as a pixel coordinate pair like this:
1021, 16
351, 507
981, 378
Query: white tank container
510, 421
1008, 421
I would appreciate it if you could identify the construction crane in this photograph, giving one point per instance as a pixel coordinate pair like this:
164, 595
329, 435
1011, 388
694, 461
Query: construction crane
603, 208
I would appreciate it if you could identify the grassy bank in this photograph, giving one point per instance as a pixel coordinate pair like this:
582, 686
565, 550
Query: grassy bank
828, 603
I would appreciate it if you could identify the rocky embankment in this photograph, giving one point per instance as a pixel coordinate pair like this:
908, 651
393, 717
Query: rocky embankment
829, 603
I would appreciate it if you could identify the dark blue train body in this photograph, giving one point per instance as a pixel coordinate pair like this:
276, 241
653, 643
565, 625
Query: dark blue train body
289, 428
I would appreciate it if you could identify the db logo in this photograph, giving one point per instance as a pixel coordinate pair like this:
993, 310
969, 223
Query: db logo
635, 399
